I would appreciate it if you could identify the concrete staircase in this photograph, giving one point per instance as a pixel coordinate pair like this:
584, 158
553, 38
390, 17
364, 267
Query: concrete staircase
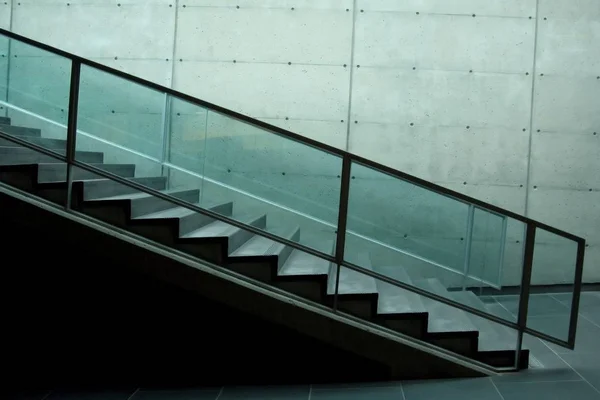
254, 256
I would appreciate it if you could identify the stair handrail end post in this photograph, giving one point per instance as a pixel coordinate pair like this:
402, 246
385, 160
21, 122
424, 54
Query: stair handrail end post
72, 126
340, 242
525, 287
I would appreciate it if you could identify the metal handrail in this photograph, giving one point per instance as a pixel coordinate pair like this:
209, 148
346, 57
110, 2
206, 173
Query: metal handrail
293, 136
348, 159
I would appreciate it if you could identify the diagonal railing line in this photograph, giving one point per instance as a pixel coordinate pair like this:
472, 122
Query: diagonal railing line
257, 231
295, 137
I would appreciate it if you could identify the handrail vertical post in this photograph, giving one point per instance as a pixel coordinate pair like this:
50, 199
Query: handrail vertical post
72, 126
340, 242
166, 139
576, 293
468, 245
525, 286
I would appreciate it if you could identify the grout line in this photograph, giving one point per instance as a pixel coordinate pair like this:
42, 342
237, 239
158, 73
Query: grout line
133, 394
580, 313
220, 393
496, 387
309, 391
570, 366
46, 395
402, 390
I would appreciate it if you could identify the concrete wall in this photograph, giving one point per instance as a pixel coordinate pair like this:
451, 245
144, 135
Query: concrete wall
494, 99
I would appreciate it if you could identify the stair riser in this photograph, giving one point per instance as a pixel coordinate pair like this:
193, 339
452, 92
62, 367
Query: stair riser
210, 251
20, 131
460, 345
4, 121
149, 205
162, 233
58, 172
33, 158
261, 271
358, 308
96, 190
414, 328
309, 290
112, 214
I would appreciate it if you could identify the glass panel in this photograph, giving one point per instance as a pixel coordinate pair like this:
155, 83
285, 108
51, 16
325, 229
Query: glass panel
487, 249
265, 174
554, 261
187, 138
34, 94
411, 233
122, 119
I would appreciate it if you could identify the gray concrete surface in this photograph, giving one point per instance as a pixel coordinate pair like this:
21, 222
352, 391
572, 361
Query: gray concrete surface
494, 99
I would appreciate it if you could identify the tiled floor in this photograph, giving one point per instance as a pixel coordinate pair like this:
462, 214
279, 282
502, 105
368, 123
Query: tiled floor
559, 373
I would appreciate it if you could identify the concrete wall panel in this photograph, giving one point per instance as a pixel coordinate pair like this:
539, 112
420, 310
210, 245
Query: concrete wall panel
333, 133
506, 8
572, 9
507, 196
301, 91
298, 4
565, 160
566, 104
102, 29
5, 14
447, 154
296, 36
441, 98
448, 42
569, 47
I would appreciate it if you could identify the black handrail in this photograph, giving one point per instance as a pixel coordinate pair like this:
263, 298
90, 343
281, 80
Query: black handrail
296, 137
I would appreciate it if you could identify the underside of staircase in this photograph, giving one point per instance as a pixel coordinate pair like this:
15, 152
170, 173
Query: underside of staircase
254, 256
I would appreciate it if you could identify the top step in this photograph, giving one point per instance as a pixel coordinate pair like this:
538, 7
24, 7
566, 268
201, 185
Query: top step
4, 121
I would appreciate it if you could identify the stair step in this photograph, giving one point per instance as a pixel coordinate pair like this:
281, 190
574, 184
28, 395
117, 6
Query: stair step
262, 246
188, 220
492, 336
236, 236
98, 188
22, 155
353, 282
20, 130
4, 121
47, 143
442, 317
300, 263
395, 300
143, 203
57, 172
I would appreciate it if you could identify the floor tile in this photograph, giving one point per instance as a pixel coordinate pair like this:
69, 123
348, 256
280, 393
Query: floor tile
187, 394
266, 393
539, 304
556, 326
586, 341
464, 389
101, 395
548, 391
588, 366
359, 393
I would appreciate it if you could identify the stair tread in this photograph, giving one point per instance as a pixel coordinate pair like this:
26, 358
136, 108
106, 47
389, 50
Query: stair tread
176, 212
351, 281
301, 263
259, 245
394, 299
442, 317
141, 195
220, 228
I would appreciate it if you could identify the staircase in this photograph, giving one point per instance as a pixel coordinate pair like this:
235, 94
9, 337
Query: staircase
255, 256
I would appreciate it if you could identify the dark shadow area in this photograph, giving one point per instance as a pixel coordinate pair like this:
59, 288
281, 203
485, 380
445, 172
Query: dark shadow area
74, 314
